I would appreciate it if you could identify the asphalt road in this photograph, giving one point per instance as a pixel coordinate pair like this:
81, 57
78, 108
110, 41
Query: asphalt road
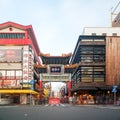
64, 112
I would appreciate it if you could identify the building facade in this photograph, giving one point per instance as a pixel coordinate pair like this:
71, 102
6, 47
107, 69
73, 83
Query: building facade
19, 81
89, 77
97, 55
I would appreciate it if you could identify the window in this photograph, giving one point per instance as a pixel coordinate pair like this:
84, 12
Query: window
104, 34
93, 34
86, 78
12, 35
114, 34
10, 74
99, 78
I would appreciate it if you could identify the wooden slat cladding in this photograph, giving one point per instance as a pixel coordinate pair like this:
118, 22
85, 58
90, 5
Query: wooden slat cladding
113, 60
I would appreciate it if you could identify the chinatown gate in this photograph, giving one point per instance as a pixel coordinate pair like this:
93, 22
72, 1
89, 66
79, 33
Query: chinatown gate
55, 69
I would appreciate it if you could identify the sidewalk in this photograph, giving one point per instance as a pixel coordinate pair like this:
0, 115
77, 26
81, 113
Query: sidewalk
101, 106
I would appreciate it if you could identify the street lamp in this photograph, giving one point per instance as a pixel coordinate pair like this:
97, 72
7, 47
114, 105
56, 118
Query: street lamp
32, 82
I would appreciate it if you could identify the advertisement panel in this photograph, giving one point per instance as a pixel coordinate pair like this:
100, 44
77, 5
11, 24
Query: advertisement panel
10, 55
9, 83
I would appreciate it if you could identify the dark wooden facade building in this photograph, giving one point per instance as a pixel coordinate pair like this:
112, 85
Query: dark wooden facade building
98, 70
113, 61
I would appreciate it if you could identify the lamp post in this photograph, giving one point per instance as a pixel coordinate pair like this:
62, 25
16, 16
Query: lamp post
114, 90
31, 88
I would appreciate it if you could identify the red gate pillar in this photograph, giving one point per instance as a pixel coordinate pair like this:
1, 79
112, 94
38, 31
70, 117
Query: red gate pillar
69, 88
40, 85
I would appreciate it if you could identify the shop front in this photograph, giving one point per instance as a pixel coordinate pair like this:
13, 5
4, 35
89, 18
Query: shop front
18, 97
93, 95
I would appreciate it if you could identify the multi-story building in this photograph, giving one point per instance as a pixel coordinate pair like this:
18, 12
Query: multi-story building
97, 53
112, 37
19, 81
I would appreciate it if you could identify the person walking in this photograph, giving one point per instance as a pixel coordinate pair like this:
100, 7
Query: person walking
70, 100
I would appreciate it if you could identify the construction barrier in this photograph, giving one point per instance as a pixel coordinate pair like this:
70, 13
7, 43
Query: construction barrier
54, 101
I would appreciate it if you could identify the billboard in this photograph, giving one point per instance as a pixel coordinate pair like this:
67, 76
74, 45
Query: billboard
10, 55
9, 83
55, 69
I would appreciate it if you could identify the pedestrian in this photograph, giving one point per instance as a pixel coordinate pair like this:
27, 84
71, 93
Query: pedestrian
103, 99
70, 100
95, 99
81, 99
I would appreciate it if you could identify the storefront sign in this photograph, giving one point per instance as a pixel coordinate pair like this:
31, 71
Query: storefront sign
25, 66
55, 69
9, 83
55, 78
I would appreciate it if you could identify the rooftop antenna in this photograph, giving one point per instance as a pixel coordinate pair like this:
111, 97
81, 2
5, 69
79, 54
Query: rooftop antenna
113, 12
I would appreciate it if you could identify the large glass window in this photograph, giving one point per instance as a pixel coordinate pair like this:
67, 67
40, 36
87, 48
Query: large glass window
86, 50
87, 78
99, 50
86, 58
99, 58
99, 78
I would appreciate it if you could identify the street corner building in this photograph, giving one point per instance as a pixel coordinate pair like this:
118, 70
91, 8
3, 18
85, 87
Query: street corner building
97, 53
19, 81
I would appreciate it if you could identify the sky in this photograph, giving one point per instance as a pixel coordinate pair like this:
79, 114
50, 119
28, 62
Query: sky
57, 24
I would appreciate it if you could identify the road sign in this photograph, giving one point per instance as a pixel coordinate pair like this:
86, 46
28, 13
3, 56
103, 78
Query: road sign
114, 89
32, 82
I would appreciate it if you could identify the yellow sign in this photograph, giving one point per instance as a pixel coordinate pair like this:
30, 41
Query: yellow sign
19, 91
27, 85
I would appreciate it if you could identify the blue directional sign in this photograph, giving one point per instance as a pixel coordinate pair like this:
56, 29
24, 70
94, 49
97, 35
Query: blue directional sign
114, 89
32, 87
32, 82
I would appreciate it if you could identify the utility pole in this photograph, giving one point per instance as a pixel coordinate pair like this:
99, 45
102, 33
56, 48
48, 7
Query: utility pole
113, 12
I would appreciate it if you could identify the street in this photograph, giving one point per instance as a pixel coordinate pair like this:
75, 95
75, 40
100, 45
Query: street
62, 112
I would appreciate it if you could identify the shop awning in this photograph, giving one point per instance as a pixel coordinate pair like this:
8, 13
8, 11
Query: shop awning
19, 91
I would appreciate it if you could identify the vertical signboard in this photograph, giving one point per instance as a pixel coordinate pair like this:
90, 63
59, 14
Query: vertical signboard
31, 64
28, 63
25, 64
